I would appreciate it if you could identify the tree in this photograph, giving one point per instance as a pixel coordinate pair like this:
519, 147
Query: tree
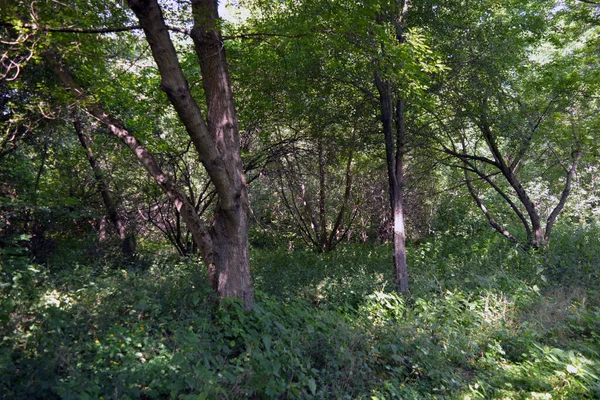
311, 124
367, 49
223, 246
316, 195
216, 140
506, 117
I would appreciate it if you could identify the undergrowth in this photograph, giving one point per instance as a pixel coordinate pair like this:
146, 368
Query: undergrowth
484, 319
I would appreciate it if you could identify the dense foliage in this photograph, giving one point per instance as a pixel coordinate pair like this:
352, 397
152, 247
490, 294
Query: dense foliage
161, 168
484, 320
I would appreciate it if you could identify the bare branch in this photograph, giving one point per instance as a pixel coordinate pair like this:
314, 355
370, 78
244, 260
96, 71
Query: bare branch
498, 190
469, 157
262, 35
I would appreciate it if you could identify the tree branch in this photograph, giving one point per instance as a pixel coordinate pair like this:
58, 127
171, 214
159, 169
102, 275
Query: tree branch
164, 181
565, 194
497, 188
487, 214
71, 29
469, 157
591, 2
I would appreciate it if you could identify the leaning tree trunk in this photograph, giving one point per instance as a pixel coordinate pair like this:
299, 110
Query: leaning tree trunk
127, 239
537, 237
225, 255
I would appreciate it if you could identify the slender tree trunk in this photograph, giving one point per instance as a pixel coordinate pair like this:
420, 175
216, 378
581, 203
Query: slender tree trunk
127, 239
400, 264
564, 195
335, 231
395, 140
38, 176
322, 234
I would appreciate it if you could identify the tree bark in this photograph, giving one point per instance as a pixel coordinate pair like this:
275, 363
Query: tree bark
392, 107
400, 264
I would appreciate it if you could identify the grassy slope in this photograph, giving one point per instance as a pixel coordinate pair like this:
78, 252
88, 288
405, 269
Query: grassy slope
483, 320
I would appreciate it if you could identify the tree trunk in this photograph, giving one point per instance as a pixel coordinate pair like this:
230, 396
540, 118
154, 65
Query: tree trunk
564, 195
400, 265
334, 236
216, 140
536, 237
322, 233
395, 140
127, 239
231, 217
194, 223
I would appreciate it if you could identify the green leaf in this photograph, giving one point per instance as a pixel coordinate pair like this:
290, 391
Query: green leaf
312, 385
267, 342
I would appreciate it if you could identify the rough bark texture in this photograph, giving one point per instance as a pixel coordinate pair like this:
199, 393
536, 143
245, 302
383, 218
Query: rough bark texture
231, 220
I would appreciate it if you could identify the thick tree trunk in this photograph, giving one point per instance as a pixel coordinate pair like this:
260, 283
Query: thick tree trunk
216, 140
127, 239
231, 218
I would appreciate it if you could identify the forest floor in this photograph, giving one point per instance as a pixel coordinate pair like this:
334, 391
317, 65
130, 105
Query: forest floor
483, 319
